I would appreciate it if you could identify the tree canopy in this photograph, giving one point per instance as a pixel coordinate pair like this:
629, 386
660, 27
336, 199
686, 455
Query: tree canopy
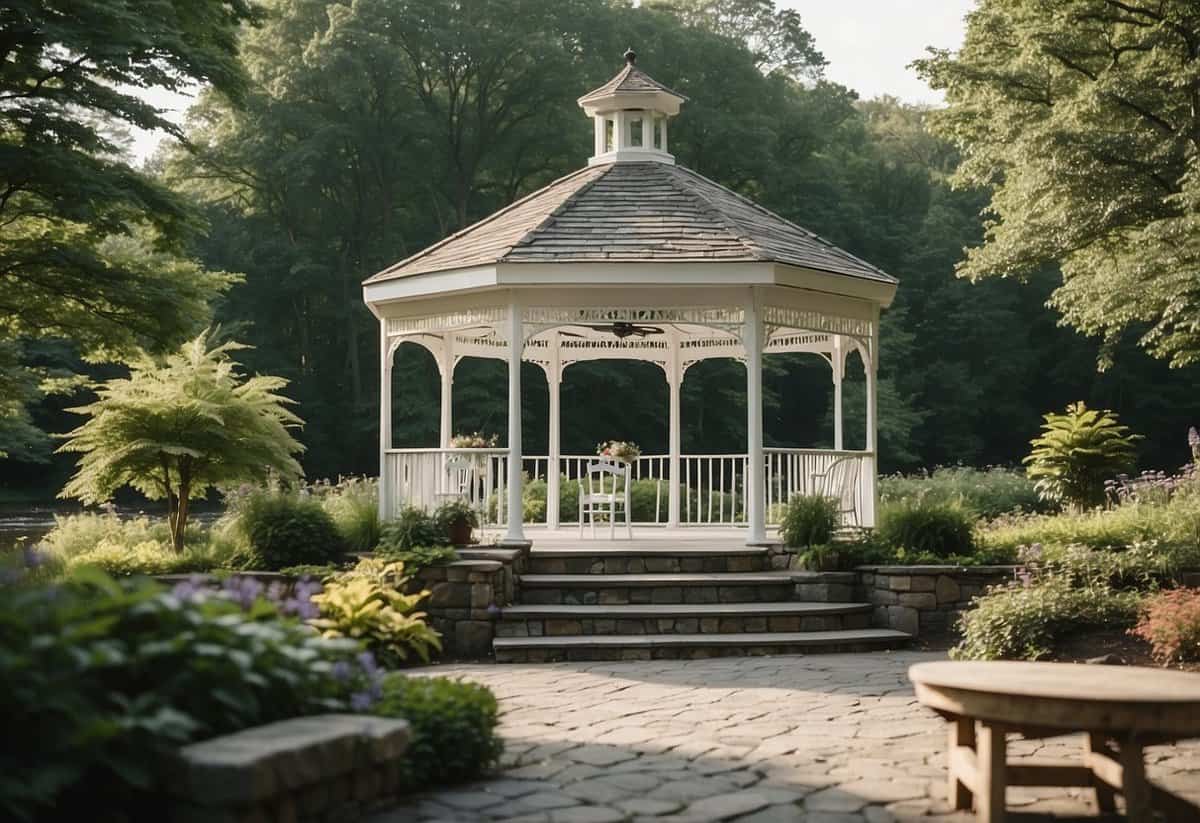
1082, 119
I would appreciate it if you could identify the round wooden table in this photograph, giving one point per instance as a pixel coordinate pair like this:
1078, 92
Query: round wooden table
1121, 709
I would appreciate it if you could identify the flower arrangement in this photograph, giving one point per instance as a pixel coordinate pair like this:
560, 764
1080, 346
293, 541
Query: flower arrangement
620, 450
475, 440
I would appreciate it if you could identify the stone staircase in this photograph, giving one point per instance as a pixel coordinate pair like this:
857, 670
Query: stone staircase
608, 602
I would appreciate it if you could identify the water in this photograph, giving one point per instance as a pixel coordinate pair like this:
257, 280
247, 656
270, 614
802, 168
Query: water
33, 521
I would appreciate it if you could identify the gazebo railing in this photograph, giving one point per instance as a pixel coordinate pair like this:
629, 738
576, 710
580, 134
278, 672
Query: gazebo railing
712, 486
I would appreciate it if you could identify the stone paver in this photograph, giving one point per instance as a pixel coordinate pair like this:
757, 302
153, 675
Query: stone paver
815, 739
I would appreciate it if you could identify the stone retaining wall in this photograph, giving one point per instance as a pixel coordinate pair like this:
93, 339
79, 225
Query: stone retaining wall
926, 599
464, 601
319, 769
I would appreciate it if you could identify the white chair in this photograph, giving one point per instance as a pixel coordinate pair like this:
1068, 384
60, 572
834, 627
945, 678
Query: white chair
607, 494
839, 483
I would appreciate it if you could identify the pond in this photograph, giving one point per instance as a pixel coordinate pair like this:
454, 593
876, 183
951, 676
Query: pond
33, 520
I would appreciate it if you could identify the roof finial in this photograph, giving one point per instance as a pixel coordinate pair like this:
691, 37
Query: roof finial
630, 56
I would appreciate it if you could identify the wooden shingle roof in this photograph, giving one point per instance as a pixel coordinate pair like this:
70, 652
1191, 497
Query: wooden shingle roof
626, 212
629, 79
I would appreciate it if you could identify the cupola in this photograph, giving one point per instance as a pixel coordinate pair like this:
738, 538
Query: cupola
630, 114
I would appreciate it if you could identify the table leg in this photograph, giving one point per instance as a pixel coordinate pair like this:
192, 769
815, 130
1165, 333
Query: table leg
991, 753
1134, 785
962, 733
1094, 744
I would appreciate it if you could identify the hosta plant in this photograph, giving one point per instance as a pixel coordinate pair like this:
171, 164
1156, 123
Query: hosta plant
368, 604
1076, 453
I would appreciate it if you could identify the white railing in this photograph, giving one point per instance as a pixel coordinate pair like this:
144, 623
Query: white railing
713, 487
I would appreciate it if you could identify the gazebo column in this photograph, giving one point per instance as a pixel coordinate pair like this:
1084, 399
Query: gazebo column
385, 421
871, 366
554, 381
752, 339
446, 369
674, 370
516, 342
838, 361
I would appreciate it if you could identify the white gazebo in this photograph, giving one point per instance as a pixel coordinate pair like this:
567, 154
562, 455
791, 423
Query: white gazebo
631, 257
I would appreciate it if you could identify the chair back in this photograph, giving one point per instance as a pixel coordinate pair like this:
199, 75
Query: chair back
459, 475
599, 472
841, 484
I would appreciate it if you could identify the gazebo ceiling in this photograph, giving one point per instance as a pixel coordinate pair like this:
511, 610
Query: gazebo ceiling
626, 212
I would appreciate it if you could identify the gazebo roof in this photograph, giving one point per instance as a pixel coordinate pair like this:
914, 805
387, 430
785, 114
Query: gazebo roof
630, 79
644, 212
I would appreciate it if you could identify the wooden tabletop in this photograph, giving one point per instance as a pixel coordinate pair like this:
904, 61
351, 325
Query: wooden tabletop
1064, 695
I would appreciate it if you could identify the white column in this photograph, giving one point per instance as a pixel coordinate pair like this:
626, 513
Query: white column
838, 361
385, 421
516, 342
446, 368
554, 379
674, 372
870, 492
752, 338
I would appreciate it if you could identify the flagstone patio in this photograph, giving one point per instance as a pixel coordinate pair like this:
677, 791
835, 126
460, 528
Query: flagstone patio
818, 739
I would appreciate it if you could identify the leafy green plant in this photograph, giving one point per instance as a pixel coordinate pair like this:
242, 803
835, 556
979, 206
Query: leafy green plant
1076, 453
135, 545
1024, 621
418, 557
1170, 622
368, 604
353, 503
989, 492
180, 426
103, 679
926, 527
282, 528
455, 519
453, 725
827, 558
809, 520
412, 527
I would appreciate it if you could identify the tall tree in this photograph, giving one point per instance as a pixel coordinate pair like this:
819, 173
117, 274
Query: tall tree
1083, 117
86, 238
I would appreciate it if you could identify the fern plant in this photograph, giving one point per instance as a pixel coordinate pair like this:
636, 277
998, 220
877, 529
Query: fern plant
1076, 452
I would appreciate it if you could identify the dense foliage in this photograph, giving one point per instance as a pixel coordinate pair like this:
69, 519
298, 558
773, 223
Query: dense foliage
282, 528
988, 492
181, 426
809, 520
926, 527
411, 528
1170, 623
453, 725
102, 679
92, 248
1081, 117
1077, 453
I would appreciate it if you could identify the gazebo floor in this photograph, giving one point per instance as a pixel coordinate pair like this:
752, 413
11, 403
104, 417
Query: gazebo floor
676, 593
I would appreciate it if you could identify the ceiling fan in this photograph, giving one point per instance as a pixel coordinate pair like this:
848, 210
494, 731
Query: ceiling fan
620, 330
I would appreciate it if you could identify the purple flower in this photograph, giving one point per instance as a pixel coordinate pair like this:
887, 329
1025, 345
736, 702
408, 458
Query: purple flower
361, 701
242, 590
192, 588
366, 661
341, 671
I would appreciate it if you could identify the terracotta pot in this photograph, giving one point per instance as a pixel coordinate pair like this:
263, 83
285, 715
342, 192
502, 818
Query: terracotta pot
460, 533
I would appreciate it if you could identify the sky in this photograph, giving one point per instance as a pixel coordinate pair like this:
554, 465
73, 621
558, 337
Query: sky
868, 44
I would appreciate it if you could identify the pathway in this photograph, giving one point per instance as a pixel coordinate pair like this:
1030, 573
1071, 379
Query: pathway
817, 739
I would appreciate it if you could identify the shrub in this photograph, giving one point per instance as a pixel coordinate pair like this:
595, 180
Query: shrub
354, 506
809, 520
281, 528
1023, 621
136, 545
368, 604
988, 492
926, 527
411, 528
419, 557
1170, 623
1076, 453
453, 725
102, 679
1174, 525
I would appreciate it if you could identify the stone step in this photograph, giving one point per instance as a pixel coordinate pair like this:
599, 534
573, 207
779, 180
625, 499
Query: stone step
717, 618
657, 560
826, 587
614, 589
688, 646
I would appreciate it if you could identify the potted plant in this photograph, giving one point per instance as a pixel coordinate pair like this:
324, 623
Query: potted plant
457, 520
474, 440
622, 451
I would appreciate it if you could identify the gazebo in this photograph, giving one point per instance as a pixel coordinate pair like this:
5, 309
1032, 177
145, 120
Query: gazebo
631, 257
